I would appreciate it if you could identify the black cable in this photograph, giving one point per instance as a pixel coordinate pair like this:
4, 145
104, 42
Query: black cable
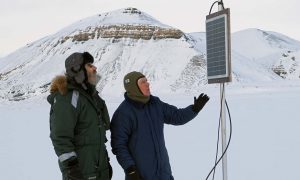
212, 6
218, 139
229, 140
219, 3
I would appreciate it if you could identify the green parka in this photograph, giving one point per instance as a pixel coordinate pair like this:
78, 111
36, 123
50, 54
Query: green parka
78, 123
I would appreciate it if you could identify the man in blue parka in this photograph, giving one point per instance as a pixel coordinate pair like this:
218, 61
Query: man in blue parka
137, 130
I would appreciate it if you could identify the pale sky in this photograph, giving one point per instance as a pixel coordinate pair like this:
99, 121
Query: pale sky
24, 21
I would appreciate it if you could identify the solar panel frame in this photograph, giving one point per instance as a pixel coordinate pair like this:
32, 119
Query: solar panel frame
218, 53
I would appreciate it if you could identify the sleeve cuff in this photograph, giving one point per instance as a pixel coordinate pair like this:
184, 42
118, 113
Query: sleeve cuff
66, 156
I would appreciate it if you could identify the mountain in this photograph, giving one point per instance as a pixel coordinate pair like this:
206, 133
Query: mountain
128, 39
271, 51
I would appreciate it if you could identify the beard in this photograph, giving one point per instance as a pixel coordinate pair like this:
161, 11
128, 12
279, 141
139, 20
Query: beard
94, 78
98, 77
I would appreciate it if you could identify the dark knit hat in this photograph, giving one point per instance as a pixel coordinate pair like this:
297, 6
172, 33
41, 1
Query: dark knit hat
75, 66
131, 86
130, 81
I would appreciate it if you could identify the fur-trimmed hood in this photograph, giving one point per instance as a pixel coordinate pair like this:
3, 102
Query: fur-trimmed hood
59, 84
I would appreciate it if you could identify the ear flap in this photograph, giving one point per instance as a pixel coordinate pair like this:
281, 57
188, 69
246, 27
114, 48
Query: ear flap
80, 77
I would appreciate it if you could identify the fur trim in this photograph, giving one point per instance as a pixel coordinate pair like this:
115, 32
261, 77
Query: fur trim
59, 83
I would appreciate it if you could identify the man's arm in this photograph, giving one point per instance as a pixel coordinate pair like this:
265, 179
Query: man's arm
63, 118
62, 123
176, 116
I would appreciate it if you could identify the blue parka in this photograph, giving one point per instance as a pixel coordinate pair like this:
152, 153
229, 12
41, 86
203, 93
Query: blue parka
137, 135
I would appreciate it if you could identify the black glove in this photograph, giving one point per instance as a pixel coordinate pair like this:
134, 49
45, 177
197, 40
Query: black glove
133, 174
72, 169
200, 102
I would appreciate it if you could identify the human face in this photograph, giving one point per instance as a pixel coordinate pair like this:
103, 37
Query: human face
144, 86
91, 72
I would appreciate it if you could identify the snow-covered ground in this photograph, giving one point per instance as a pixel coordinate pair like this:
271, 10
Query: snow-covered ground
265, 142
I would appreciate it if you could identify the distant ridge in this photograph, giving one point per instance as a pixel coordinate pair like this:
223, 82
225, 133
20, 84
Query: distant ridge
129, 39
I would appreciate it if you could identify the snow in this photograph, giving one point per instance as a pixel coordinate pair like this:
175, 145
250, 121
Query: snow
199, 41
264, 145
172, 65
117, 17
264, 106
257, 43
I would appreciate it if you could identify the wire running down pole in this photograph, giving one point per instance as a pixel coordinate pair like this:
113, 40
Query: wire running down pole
223, 118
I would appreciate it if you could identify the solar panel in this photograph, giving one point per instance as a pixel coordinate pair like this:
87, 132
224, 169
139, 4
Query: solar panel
218, 47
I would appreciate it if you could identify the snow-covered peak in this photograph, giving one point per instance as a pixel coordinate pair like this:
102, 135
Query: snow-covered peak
129, 16
129, 40
125, 16
256, 43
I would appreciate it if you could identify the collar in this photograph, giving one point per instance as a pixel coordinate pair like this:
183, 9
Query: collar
137, 104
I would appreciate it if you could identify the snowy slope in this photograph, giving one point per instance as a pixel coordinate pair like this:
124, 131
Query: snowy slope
265, 140
128, 39
29, 71
256, 43
131, 16
275, 52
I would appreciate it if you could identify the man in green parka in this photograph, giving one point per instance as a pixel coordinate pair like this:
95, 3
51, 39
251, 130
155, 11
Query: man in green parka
78, 121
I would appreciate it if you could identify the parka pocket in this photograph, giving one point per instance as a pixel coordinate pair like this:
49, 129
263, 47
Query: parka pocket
88, 160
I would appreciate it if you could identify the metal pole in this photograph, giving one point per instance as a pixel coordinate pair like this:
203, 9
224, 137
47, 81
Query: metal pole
223, 130
223, 118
